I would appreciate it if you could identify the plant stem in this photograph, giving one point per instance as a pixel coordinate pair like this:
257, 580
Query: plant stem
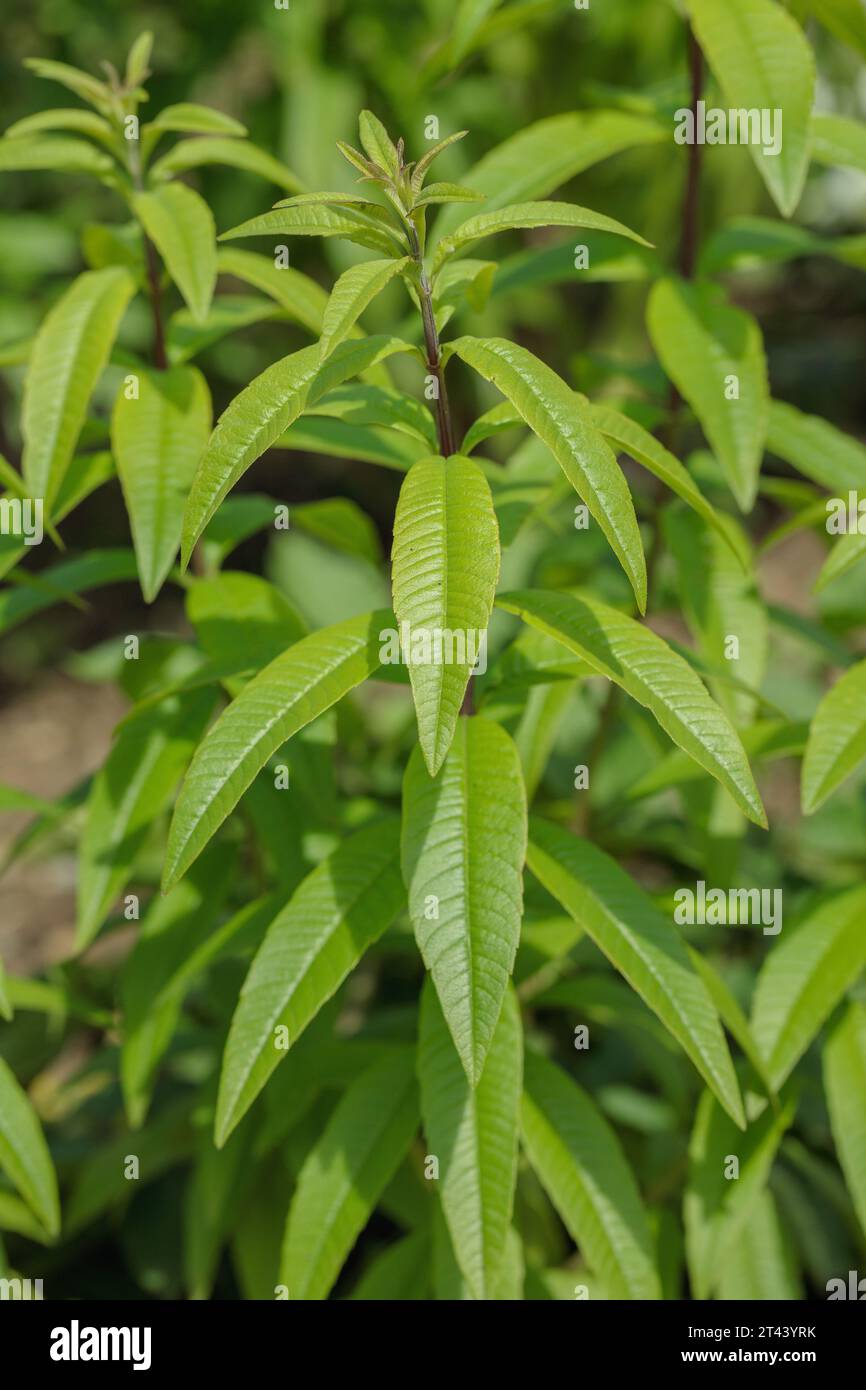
160, 358
434, 355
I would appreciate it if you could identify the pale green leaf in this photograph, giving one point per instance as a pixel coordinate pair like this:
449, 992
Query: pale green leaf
464, 842
70, 351
288, 694
817, 449
580, 1163
762, 61
710, 349
157, 441
345, 1173
642, 663
848, 550
24, 1155
806, 973
201, 120
561, 420
89, 88
641, 943
845, 1089
526, 215
473, 1134
377, 142
445, 564
62, 118
356, 288
839, 141
236, 154
295, 292
181, 226
65, 153
306, 219
837, 738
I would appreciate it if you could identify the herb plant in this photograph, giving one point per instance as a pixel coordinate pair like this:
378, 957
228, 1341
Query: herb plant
409, 998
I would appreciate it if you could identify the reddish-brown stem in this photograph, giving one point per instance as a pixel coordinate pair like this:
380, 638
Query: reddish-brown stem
160, 360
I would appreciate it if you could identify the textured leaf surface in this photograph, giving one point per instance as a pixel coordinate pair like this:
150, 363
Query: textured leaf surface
445, 564
181, 226
130, 790
237, 154
346, 1172
312, 219
69, 353
473, 1133
642, 944
703, 344
356, 288
806, 973
647, 669
157, 441
562, 420
338, 911
837, 738
761, 59
288, 694
845, 1089
24, 1155
581, 1165
464, 841
527, 215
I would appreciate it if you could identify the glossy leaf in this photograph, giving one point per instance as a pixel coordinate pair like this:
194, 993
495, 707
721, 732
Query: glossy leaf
527, 215
353, 292
181, 226
837, 738
24, 1155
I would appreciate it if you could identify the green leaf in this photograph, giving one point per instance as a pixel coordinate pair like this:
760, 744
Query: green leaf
181, 226
288, 694
647, 669
762, 1265
241, 618
157, 441
260, 414
433, 153
837, 738
310, 219
236, 154
844, 18
90, 89
52, 152
356, 288
346, 1172
69, 353
629, 436
445, 564
641, 943
717, 1206
548, 153
839, 141
62, 118
525, 215
186, 336
342, 524
133, 787
447, 193
377, 142
364, 404
24, 1155
580, 1163
845, 1089
703, 345
561, 420
138, 60
202, 120
300, 296
473, 1134
804, 977
63, 583
848, 551
819, 450
464, 842
761, 60
338, 911
400, 1271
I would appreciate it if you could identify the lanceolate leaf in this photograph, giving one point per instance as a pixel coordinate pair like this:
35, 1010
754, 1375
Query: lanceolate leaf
625, 924
562, 420
181, 227
762, 61
473, 1134
355, 289
24, 1155
60, 152
838, 140
338, 911
157, 438
306, 680
626, 434
714, 355
837, 738
581, 1165
298, 294
806, 973
70, 351
846, 552
377, 142
202, 120
237, 154
346, 1172
646, 668
464, 841
527, 215
311, 219
445, 564
845, 1088
134, 786
816, 448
